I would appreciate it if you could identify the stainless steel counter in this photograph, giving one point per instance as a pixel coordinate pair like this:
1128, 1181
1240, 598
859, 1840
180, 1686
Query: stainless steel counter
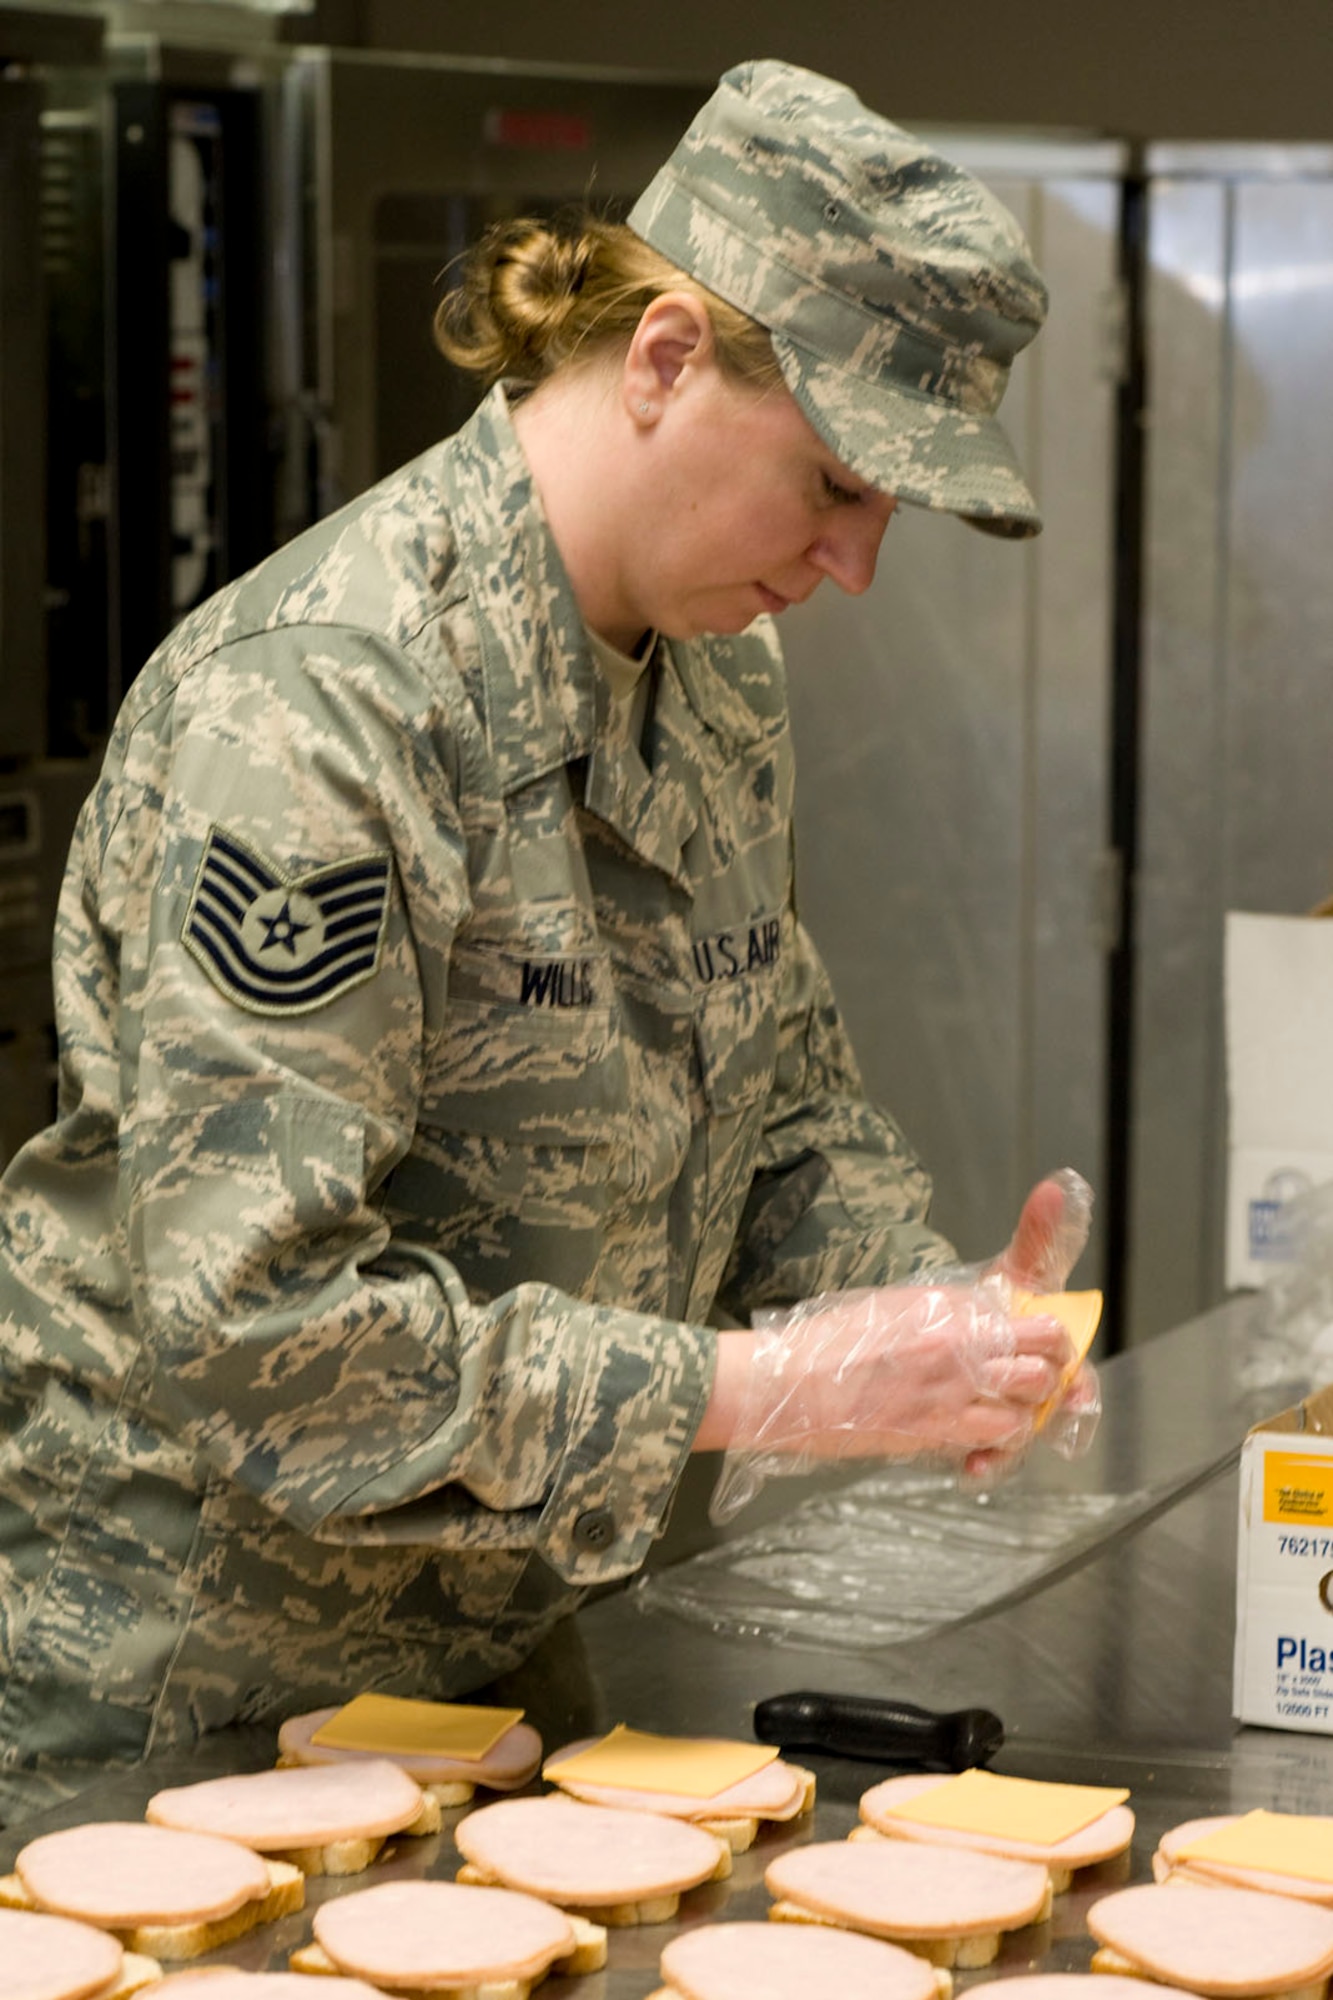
1112, 1667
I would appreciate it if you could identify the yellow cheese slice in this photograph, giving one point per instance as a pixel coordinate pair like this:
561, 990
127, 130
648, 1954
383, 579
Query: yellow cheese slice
1011, 1808
394, 1727
1079, 1313
689, 1767
1277, 1843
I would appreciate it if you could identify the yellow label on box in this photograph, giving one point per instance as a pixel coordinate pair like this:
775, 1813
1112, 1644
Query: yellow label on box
1277, 1843
397, 1728
689, 1767
1298, 1486
1010, 1808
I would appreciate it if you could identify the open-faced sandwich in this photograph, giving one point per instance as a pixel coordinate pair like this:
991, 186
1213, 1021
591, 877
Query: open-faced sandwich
328, 1820
160, 1892
598, 1861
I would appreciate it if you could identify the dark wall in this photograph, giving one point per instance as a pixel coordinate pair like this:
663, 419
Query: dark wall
1169, 69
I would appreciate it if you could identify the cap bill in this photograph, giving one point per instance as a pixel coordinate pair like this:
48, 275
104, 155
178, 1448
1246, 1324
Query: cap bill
924, 451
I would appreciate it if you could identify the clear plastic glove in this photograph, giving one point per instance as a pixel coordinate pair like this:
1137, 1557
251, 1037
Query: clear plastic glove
941, 1368
1072, 1423
953, 1366
1050, 1238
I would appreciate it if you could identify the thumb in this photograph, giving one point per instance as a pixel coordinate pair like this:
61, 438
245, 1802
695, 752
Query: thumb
1052, 1231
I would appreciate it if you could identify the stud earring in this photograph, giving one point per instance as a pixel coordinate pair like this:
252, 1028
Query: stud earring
645, 409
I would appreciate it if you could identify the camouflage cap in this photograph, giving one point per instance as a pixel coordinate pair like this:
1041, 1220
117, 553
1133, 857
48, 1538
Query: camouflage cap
896, 288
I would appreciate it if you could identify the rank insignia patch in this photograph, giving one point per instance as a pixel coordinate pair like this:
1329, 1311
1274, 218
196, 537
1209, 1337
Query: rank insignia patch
278, 944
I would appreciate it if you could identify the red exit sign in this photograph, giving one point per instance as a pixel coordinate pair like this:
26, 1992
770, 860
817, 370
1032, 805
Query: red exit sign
538, 131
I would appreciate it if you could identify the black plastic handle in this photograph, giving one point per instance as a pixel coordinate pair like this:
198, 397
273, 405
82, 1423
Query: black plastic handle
883, 1732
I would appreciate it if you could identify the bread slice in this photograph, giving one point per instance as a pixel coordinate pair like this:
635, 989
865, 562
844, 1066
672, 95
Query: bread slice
719, 1961
953, 1954
352, 1856
1221, 1941
610, 1865
311, 1958
136, 1972
400, 1928
175, 1942
951, 1906
612, 1916
43, 1953
1106, 1960
326, 1819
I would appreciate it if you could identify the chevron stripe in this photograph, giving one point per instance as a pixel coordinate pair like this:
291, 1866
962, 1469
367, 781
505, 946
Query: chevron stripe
325, 929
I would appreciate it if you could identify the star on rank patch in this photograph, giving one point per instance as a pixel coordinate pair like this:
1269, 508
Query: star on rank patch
278, 944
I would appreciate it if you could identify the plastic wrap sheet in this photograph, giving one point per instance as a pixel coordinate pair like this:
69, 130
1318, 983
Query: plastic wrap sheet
905, 1552
886, 1559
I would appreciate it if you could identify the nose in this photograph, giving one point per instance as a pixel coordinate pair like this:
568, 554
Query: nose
847, 549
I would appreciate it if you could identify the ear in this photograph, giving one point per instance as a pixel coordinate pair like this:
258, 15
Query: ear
675, 333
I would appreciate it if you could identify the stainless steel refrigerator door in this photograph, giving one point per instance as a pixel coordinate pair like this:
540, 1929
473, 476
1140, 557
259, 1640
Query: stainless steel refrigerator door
952, 732
1237, 736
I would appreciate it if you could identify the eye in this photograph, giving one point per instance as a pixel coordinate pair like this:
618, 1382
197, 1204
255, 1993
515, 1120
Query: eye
836, 494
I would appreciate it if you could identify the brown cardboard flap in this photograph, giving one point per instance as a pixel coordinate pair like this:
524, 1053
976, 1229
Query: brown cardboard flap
1315, 1414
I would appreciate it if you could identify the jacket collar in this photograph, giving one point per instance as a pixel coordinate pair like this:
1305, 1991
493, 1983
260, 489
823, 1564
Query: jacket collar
547, 706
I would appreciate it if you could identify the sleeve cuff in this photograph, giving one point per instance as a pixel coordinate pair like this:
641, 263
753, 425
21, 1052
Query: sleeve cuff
644, 1390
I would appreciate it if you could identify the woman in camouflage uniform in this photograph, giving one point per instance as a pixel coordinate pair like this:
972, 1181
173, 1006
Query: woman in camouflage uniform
441, 1054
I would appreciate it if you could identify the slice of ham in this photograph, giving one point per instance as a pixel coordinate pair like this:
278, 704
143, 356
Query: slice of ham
1103, 1837
589, 1856
120, 1874
777, 1792
897, 1889
1085, 1986
738, 1961
506, 1765
54, 1958
277, 1811
1216, 1941
419, 1935
1171, 1859
228, 1982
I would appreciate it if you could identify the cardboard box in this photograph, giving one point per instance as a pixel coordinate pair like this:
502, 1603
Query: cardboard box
1279, 993
1283, 1673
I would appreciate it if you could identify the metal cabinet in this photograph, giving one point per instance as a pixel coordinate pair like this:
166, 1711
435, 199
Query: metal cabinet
1237, 653
394, 166
952, 738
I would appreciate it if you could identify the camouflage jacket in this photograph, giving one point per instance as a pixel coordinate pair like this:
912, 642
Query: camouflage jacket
435, 1062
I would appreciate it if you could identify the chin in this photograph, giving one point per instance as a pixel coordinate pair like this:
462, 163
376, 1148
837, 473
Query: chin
727, 624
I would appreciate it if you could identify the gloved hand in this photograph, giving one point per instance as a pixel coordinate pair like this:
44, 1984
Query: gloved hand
951, 1365
1048, 1242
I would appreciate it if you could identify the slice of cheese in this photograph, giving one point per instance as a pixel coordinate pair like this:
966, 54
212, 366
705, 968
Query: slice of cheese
1011, 1808
391, 1726
1276, 1843
1079, 1313
691, 1767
